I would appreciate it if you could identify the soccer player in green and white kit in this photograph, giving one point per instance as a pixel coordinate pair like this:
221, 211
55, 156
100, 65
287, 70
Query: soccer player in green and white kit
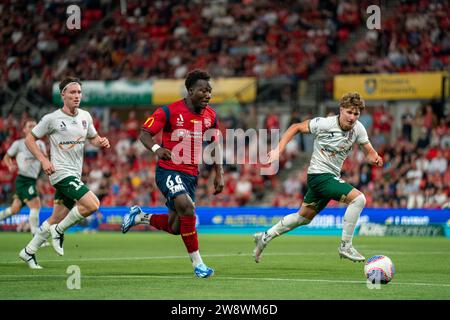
334, 139
29, 169
67, 129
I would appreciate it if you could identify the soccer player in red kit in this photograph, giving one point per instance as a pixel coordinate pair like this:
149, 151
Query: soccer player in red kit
183, 124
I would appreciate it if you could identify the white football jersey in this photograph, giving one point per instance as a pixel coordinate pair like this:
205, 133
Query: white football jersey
332, 144
27, 164
67, 135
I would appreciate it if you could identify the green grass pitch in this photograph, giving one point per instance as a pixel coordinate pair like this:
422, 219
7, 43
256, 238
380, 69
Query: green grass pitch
154, 265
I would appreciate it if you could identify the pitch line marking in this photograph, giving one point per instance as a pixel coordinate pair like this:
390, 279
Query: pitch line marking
109, 277
211, 256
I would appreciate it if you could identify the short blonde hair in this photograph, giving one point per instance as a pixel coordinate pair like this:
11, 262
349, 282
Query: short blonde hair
352, 100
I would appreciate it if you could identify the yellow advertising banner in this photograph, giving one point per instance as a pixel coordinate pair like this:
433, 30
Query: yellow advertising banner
398, 86
223, 90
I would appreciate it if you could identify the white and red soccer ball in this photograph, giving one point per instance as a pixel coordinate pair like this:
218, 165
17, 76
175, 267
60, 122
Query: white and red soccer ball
379, 269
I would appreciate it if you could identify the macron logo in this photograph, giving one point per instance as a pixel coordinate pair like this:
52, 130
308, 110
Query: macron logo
180, 120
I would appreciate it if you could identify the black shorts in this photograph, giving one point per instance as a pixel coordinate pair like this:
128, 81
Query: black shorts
174, 183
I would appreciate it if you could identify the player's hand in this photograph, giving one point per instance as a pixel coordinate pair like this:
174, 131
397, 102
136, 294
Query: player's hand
103, 142
378, 161
12, 168
218, 184
164, 154
273, 155
48, 167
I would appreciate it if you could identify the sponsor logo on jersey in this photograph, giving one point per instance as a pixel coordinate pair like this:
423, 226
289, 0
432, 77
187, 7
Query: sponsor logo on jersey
68, 145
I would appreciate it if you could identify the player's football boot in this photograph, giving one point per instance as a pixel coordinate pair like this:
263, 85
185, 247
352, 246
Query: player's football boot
203, 271
57, 240
260, 244
346, 250
130, 219
30, 259
45, 244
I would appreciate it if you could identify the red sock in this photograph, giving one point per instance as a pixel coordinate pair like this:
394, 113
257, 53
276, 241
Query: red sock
160, 222
189, 233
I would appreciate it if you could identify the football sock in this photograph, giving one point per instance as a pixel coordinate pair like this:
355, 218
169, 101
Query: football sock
189, 233
287, 223
143, 218
160, 222
351, 217
195, 258
5, 213
39, 238
34, 220
72, 218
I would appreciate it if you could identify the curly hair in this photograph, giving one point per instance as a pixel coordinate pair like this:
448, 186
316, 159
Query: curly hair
194, 76
352, 100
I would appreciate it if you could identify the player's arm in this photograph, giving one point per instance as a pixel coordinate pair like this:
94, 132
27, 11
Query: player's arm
302, 127
98, 141
148, 142
31, 143
8, 161
372, 156
218, 168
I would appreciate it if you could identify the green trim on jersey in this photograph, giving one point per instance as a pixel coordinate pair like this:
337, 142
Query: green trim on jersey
68, 114
68, 190
322, 188
25, 189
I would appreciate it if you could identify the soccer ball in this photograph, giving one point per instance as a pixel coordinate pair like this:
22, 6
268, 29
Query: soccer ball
379, 269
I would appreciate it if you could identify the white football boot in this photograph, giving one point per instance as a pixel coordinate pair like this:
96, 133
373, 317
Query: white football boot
260, 245
346, 250
30, 259
57, 240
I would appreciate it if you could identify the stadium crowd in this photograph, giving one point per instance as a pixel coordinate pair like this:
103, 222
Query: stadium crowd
260, 38
415, 173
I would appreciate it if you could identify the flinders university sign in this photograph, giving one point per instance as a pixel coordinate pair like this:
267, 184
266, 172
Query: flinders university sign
397, 86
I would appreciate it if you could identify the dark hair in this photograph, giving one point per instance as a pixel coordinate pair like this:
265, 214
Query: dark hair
66, 81
194, 76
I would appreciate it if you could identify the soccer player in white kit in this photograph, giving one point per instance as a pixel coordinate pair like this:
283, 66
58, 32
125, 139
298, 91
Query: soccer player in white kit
333, 140
28, 171
67, 129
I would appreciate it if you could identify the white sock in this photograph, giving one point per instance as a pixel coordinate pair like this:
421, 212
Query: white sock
289, 222
5, 213
34, 220
195, 258
39, 238
351, 217
72, 218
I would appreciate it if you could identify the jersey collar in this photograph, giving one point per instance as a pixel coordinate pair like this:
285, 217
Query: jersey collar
70, 115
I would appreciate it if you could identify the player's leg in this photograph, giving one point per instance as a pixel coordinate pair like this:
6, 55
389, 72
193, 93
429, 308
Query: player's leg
304, 216
28, 253
185, 208
13, 209
35, 207
162, 222
174, 222
356, 202
72, 189
25, 190
313, 203
329, 186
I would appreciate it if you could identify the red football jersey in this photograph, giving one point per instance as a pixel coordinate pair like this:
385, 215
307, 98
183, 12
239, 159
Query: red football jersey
183, 134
